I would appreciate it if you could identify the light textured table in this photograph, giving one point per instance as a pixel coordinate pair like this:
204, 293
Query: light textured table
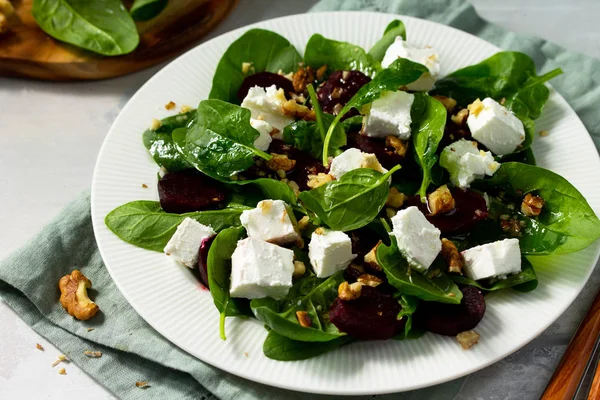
50, 134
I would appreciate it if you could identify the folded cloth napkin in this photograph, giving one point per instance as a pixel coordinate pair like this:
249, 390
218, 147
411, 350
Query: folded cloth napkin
131, 350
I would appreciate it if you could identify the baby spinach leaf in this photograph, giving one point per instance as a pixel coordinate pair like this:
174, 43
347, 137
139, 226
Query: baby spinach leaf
428, 123
351, 202
143, 10
271, 189
281, 348
311, 294
144, 224
159, 142
566, 224
265, 50
434, 286
394, 29
219, 272
220, 140
400, 72
353, 123
339, 56
409, 306
102, 26
527, 276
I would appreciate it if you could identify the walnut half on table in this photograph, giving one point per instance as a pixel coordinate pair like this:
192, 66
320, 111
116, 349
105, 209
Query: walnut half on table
74, 297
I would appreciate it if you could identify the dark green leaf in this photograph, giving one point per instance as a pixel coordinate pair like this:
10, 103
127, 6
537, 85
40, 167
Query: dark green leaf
394, 29
351, 202
159, 142
265, 50
353, 123
526, 276
143, 10
338, 56
281, 348
409, 306
102, 26
310, 294
434, 286
271, 189
144, 224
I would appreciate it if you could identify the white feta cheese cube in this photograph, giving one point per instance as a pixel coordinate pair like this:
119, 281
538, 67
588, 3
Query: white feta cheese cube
496, 259
271, 221
264, 129
418, 240
185, 242
466, 163
261, 269
329, 252
390, 115
267, 105
427, 57
353, 159
494, 126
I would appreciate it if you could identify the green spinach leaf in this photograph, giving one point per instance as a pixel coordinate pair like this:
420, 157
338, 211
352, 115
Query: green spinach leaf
159, 142
351, 202
144, 224
400, 72
265, 50
394, 29
434, 286
409, 306
339, 56
271, 189
428, 123
526, 277
281, 348
102, 26
311, 294
143, 10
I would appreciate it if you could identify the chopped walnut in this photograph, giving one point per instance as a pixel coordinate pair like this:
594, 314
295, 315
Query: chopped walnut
400, 146
246, 67
337, 108
303, 319
310, 116
544, 133
303, 223
39, 347
337, 92
395, 198
302, 78
461, 117
74, 297
280, 161
142, 384
185, 108
314, 181
321, 71
440, 201
299, 269
6, 8
370, 280
170, 105
320, 231
90, 329
371, 257
294, 186
291, 107
371, 161
3, 24
347, 291
532, 205
467, 339
448, 102
390, 212
144, 186
475, 107
62, 371
452, 256
511, 226
155, 124
93, 354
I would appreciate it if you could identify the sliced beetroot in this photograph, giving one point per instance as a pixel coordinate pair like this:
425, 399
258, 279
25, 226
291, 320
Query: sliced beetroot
470, 208
339, 89
203, 259
264, 80
386, 155
453, 132
190, 190
452, 319
370, 317
363, 240
306, 164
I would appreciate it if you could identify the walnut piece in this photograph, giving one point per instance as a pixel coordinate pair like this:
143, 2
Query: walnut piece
74, 297
532, 205
347, 291
280, 161
461, 117
6, 8
39, 347
299, 269
314, 181
155, 124
170, 105
303, 319
92, 354
302, 78
448, 102
475, 107
62, 371
303, 223
321, 71
452, 256
395, 198
369, 280
400, 146
141, 384
3, 24
467, 339
371, 257
185, 108
291, 107
310, 115
440, 201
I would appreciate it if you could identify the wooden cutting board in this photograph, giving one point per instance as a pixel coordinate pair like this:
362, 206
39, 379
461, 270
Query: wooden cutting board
26, 51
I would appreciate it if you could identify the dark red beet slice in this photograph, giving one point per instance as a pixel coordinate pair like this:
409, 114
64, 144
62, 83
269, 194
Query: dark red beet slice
339, 89
452, 319
386, 155
305, 163
265, 79
470, 208
189, 190
453, 132
363, 240
203, 259
371, 316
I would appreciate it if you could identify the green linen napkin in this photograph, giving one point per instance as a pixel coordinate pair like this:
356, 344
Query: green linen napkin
132, 350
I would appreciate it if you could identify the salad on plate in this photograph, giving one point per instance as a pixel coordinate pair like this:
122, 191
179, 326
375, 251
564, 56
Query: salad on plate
350, 195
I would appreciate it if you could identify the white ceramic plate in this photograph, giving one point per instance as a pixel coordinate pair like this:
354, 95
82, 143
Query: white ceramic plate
189, 319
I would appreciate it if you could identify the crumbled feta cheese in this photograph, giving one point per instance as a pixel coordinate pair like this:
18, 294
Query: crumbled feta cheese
185, 242
390, 115
496, 259
329, 251
270, 221
427, 57
496, 127
418, 240
261, 269
267, 105
263, 141
353, 159
466, 163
